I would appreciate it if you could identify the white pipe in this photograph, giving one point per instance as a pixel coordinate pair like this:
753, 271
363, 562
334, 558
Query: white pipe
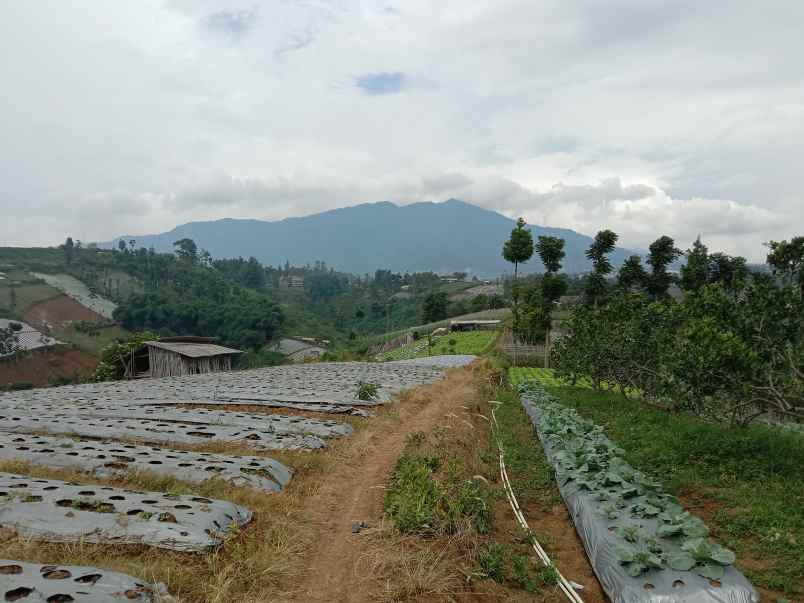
563, 583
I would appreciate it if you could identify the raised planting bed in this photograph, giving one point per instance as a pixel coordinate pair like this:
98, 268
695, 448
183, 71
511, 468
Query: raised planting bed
66, 583
56, 511
642, 545
152, 430
104, 459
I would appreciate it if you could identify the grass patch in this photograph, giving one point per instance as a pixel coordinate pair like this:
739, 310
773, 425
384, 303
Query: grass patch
15, 299
448, 531
532, 476
432, 492
469, 342
90, 342
747, 483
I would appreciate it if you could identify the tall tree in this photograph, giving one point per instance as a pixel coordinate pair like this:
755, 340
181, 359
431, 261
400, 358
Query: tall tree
186, 250
695, 273
632, 274
519, 248
786, 259
69, 250
729, 270
663, 252
554, 285
596, 287
435, 307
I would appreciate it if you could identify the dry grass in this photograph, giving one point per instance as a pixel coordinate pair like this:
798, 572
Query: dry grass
257, 564
404, 568
250, 567
441, 567
266, 560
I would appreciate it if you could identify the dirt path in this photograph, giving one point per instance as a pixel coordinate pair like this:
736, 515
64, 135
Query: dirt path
354, 492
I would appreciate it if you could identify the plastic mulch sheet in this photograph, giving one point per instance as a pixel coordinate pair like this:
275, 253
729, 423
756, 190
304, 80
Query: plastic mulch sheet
35, 583
605, 520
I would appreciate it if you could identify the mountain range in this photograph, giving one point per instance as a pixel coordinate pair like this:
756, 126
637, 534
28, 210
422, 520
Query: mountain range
443, 237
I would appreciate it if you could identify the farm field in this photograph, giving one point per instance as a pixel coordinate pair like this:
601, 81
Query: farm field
470, 342
20, 290
78, 291
202, 523
42, 368
747, 484
499, 314
91, 343
547, 377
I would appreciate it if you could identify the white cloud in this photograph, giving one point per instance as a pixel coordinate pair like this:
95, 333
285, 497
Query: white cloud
646, 117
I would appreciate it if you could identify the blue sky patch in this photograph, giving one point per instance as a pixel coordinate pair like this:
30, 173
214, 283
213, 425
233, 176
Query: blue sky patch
381, 83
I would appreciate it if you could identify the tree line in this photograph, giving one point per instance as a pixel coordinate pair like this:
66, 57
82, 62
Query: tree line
729, 346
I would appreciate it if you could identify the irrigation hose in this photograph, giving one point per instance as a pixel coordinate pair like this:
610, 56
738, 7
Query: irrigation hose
565, 585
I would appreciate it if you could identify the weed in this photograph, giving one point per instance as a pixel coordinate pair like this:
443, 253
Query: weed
492, 560
521, 569
366, 390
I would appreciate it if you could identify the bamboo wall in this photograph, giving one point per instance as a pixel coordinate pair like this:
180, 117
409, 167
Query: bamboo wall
164, 363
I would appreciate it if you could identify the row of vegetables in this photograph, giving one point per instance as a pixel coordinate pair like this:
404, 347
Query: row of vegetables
632, 529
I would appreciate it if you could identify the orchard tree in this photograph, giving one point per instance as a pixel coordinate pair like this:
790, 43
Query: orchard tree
632, 274
663, 252
695, 273
730, 271
519, 248
786, 259
702, 269
596, 287
554, 285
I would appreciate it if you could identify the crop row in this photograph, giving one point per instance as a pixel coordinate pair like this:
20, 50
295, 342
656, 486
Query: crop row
637, 536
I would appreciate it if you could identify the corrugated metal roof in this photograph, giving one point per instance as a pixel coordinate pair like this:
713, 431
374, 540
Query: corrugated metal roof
193, 350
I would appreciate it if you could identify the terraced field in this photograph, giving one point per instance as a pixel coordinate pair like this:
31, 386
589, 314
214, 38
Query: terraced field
183, 438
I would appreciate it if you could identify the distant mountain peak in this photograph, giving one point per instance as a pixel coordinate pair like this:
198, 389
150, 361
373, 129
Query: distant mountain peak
446, 236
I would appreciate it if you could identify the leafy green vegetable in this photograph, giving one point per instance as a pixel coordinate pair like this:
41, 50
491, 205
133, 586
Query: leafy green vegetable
638, 560
709, 557
584, 456
630, 533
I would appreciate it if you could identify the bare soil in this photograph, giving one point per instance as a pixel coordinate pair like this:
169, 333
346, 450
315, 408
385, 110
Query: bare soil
42, 367
354, 493
58, 311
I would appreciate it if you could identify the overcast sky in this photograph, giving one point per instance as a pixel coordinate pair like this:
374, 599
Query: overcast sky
645, 116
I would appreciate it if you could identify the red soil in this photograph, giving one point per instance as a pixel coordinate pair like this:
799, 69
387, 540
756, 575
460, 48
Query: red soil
42, 367
58, 311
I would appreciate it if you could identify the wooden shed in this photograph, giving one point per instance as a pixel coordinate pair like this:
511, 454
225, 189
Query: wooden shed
172, 359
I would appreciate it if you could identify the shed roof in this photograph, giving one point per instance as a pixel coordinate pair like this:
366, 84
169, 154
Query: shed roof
475, 322
193, 350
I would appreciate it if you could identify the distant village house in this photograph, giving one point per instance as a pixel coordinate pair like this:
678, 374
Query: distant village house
300, 349
291, 282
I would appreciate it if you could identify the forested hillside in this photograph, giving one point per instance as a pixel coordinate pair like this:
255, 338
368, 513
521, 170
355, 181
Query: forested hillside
246, 304
442, 237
